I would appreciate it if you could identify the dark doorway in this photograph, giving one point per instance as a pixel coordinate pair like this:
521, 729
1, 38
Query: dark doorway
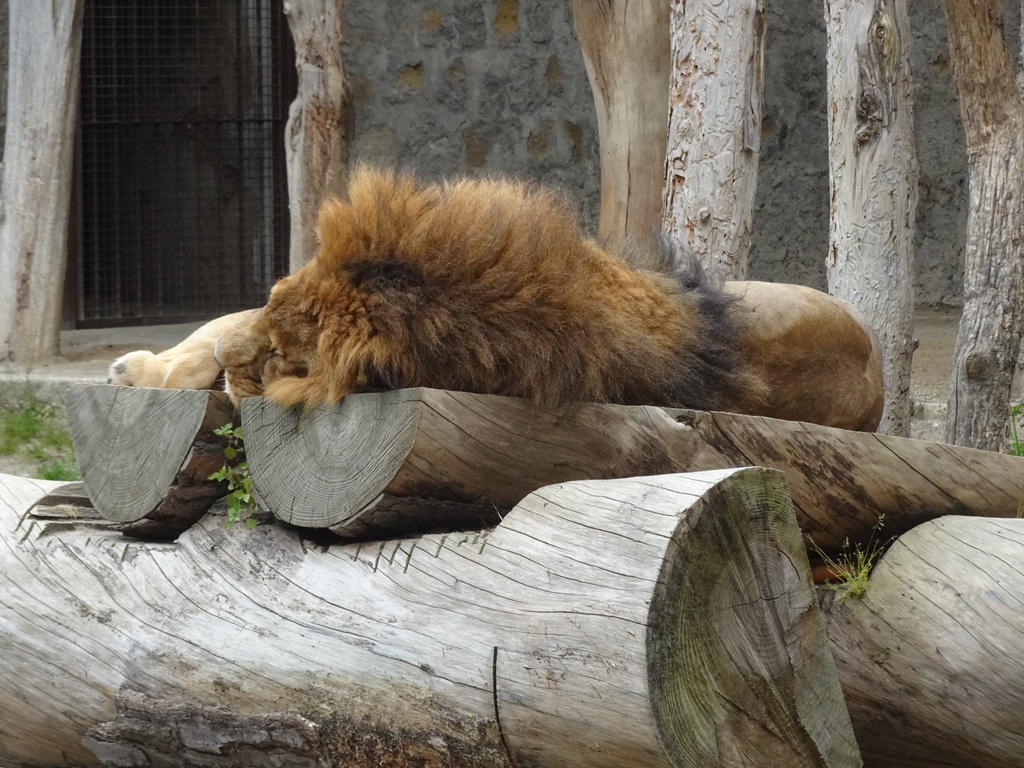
182, 197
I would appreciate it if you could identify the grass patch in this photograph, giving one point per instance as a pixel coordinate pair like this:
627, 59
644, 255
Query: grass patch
851, 567
37, 433
1016, 444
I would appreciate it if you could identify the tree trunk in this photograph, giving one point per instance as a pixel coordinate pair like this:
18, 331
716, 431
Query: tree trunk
873, 182
714, 133
35, 198
317, 130
646, 622
489, 452
929, 655
625, 49
989, 338
363, 468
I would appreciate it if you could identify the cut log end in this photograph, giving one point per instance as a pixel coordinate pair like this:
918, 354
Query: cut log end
146, 454
731, 615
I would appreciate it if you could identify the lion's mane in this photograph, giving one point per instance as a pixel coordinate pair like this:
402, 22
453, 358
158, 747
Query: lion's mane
484, 286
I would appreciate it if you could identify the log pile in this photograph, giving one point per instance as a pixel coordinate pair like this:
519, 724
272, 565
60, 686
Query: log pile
467, 580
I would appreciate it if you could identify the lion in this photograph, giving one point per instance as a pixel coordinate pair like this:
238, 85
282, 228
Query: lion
490, 286
188, 365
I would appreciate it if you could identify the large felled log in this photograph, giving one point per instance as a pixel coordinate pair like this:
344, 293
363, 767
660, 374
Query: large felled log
338, 466
646, 622
145, 455
929, 656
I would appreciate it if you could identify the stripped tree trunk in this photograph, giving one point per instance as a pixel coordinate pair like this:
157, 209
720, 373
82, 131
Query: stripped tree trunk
929, 656
989, 338
316, 133
42, 103
650, 622
365, 467
625, 49
715, 129
873, 182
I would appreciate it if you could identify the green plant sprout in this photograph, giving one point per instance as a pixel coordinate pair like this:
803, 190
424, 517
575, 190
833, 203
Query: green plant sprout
240, 501
1016, 445
852, 565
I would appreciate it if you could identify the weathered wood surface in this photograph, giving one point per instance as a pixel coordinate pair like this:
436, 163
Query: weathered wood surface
646, 622
35, 198
714, 134
323, 467
316, 134
145, 455
929, 656
625, 46
873, 182
989, 338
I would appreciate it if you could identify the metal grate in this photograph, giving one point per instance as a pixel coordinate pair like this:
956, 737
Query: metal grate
183, 195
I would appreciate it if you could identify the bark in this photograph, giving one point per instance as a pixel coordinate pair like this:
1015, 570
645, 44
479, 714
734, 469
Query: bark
928, 656
989, 336
147, 454
42, 103
714, 133
316, 146
645, 622
486, 453
873, 182
625, 48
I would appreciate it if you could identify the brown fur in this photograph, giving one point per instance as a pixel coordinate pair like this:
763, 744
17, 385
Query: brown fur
489, 286
483, 286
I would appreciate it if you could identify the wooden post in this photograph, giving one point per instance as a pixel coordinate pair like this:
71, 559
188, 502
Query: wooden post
714, 135
35, 197
316, 147
873, 182
989, 338
927, 656
650, 622
625, 48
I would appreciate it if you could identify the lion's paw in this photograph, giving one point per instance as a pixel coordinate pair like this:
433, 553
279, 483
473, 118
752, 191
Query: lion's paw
137, 369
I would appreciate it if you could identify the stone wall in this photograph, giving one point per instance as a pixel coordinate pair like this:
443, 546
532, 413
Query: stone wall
452, 86
457, 86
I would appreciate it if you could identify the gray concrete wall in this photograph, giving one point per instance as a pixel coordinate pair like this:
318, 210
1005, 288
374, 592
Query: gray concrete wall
791, 219
453, 86
477, 86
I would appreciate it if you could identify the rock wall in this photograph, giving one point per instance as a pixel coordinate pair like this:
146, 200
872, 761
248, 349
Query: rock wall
455, 86
499, 86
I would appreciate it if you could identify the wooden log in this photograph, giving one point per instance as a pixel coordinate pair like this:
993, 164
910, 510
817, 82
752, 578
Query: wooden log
319, 119
326, 466
645, 622
145, 455
625, 45
929, 656
38, 158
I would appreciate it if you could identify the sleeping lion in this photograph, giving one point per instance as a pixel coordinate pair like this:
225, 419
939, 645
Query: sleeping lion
490, 286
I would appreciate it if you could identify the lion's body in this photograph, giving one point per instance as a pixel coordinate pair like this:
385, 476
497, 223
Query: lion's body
490, 286
819, 356
188, 365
